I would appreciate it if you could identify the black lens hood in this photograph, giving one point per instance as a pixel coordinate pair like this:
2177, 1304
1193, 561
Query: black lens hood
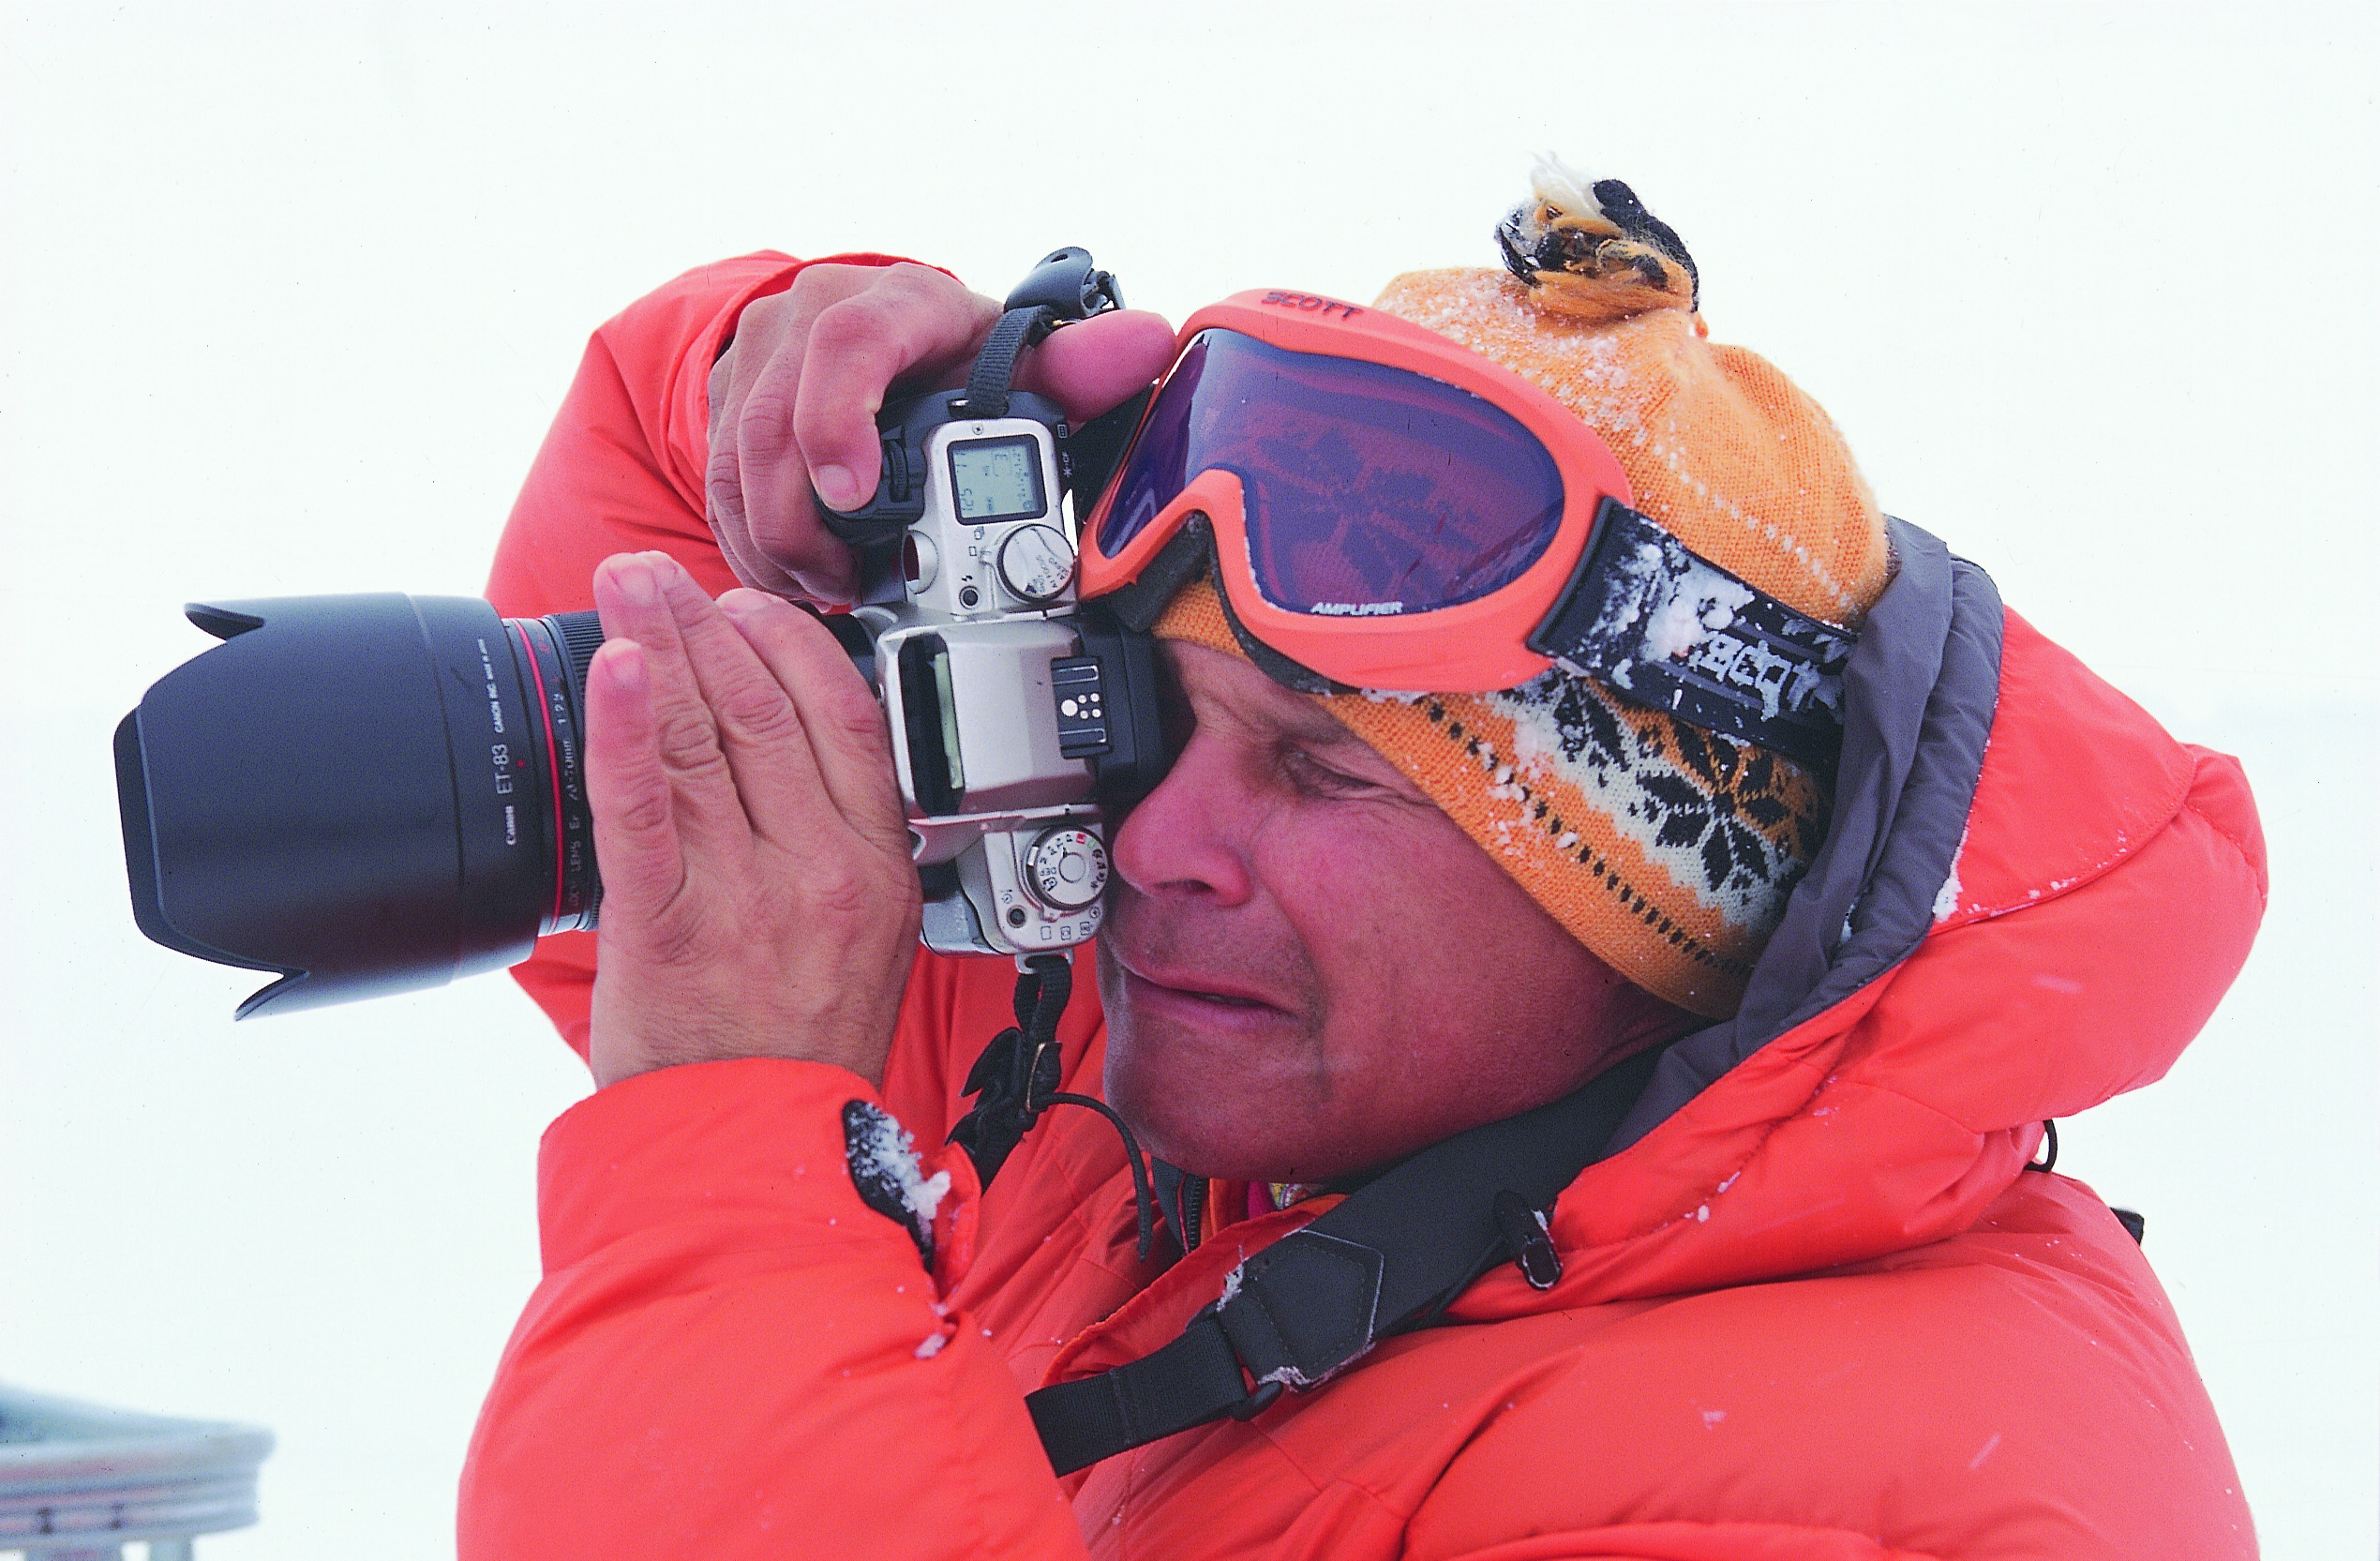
316, 796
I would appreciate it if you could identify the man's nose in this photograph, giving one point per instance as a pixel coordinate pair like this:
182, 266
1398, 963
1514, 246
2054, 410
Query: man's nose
1189, 836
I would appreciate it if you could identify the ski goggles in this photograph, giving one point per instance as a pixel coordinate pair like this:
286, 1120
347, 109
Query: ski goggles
1387, 509
1382, 508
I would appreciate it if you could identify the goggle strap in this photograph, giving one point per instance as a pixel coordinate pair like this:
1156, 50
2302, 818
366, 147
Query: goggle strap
1642, 613
1667, 627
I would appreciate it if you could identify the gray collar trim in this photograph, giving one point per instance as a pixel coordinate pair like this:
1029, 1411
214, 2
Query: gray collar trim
1920, 692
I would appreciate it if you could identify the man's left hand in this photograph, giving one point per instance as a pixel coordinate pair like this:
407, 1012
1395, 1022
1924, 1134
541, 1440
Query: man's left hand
759, 899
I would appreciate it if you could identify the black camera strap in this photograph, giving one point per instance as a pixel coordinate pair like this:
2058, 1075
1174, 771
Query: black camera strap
1387, 1260
995, 371
1064, 287
1016, 1079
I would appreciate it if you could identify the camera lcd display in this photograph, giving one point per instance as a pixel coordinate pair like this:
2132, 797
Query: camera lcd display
998, 479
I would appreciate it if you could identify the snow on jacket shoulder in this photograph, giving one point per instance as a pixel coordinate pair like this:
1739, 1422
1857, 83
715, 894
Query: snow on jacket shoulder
1815, 1307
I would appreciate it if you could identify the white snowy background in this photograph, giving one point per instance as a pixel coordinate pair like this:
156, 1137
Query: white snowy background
291, 290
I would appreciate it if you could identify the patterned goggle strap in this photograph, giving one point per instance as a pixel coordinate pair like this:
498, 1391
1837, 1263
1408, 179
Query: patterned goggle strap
1672, 630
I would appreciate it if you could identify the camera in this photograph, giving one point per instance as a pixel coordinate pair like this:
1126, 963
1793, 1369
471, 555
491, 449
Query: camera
1012, 711
370, 794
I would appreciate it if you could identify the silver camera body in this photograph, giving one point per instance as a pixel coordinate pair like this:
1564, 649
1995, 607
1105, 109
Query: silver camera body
969, 627
1013, 712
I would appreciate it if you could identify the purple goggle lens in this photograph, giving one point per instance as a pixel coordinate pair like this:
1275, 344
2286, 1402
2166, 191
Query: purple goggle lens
1368, 490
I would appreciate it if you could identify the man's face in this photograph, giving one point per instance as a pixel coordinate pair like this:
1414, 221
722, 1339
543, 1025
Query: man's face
1309, 970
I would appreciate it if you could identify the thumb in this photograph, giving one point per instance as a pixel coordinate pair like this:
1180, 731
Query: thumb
1091, 367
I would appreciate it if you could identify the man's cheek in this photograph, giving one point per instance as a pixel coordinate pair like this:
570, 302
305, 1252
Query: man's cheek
1350, 902
1130, 1073
1133, 1082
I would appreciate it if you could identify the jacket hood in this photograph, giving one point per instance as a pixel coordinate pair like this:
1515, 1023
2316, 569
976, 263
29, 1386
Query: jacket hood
2030, 900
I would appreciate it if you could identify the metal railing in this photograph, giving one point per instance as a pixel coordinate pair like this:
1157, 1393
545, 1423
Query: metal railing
78, 1482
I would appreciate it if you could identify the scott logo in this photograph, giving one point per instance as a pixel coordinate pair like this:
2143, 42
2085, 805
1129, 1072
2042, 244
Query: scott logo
1309, 303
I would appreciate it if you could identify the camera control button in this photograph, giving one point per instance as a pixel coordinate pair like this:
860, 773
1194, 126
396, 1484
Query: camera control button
1036, 562
1066, 868
920, 560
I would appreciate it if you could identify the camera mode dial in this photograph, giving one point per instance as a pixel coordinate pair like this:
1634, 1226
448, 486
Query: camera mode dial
1066, 868
1037, 563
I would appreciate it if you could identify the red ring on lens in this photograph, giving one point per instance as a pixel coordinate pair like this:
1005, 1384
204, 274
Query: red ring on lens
553, 761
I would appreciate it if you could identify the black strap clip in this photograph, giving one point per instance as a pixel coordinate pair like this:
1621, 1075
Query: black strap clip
1016, 1078
1065, 282
1259, 1400
1012, 1086
1390, 1258
1526, 1239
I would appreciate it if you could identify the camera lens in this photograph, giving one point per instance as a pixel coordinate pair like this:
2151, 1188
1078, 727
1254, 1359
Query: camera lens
366, 794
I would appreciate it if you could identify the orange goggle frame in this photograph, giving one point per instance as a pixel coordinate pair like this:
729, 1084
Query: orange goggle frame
1308, 431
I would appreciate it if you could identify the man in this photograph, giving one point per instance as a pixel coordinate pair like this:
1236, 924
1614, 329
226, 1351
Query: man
1805, 1299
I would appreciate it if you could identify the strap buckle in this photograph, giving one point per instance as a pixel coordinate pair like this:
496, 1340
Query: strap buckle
1258, 1401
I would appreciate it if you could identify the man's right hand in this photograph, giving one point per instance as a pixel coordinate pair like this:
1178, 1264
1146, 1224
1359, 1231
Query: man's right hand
793, 402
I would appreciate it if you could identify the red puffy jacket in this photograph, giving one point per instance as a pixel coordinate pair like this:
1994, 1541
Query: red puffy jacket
1817, 1307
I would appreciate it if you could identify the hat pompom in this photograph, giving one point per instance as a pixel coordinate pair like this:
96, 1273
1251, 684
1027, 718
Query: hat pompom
1588, 250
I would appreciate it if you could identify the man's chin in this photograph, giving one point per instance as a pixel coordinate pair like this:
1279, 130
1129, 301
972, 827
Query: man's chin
1192, 1124
1209, 1148
1202, 1121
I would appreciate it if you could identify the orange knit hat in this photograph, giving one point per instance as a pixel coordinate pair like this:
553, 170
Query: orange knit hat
1668, 850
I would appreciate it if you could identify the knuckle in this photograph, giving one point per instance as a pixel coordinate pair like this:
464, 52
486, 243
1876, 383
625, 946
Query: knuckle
915, 284
840, 889
764, 424
758, 710
768, 307
820, 281
855, 716
923, 285
861, 323
645, 813
689, 748
910, 274
722, 484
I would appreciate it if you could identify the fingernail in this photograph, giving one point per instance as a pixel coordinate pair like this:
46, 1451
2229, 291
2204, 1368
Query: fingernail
626, 665
837, 487
744, 602
635, 582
